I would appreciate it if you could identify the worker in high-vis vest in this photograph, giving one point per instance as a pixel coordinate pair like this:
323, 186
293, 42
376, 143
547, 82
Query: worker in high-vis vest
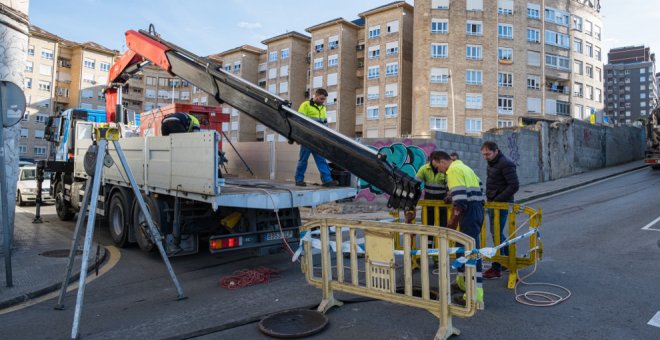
314, 109
435, 188
467, 198
179, 122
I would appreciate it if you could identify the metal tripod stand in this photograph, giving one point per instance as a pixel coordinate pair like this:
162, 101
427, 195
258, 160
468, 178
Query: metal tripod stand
90, 200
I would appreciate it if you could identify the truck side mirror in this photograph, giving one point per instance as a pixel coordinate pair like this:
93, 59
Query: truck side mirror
48, 131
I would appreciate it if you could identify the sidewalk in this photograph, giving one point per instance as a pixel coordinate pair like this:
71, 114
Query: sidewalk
40, 257
35, 274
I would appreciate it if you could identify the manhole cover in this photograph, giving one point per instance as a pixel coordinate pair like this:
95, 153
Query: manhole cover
291, 324
59, 253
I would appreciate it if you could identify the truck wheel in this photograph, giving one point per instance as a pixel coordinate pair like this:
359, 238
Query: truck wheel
118, 219
19, 198
140, 226
62, 207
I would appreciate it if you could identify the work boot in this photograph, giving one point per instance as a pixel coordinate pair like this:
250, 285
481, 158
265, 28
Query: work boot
330, 184
492, 273
301, 184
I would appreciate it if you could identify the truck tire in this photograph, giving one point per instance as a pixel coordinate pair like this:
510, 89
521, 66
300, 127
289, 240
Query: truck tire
140, 226
62, 207
119, 217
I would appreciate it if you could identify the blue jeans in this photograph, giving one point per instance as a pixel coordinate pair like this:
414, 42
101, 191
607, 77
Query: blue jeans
321, 164
504, 231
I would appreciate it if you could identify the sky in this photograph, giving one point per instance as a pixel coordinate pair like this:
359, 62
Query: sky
210, 26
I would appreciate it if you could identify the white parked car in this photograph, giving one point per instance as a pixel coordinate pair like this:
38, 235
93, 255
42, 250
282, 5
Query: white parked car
26, 188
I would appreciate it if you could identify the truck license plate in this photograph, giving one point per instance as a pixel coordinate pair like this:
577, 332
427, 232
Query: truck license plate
277, 235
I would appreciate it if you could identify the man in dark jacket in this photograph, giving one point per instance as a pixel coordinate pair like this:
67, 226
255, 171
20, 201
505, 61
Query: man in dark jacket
501, 185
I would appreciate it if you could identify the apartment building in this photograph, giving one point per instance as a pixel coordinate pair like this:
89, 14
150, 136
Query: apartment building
631, 85
388, 45
59, 74
480, 64
334, 59
242, 61
284, 72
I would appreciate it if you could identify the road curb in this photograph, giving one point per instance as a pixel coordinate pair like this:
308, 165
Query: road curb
54, 287
556, 191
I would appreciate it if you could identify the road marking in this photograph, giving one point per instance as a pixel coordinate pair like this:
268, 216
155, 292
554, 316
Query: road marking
115, 256
583, 186
655, 320
648, 226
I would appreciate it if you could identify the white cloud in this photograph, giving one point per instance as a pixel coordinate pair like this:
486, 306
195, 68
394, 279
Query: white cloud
249, 25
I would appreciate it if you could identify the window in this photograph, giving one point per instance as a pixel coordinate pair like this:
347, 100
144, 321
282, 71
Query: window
505, 105
393, 26
560, 63
597, 53
272, 88
533, 35
372, 112
41, 118
473, 52
440, 4
373, 72
29, 66
284, 54
44, 85
392, 48
39, 134
30, 50
390, 90
473, 101
556, 16
642, 87
272, 73
391, 111
24, 133
557, 39
237, 66
589, 70
317, 82
439, 26
262, 67
577, 45
439, 75
505, 31
533, 105
332, 79
22, 148
505, 54
504, 123
474, 5
642, 78
374, 32
333, 60
284, 71
474, 28
284, 87
332, 98
105, 67
563, 108
333, 42
373, 92
505, 7
577, 23
504, 79
473, 77
228, 68
577, 67
533, 58
149, 93
577, 90
599, 74
533, 82
391, 69
373, 52
47, 54
533, 11
439, 99
589, 50
359, 100
89, 63
272, 56
438, 124
579, 112
39, 150
473, 125
439, 50
151, 81
28, 83
318, 63
597, 32
642, 104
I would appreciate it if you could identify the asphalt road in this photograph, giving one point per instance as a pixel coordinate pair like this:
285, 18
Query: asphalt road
593, 241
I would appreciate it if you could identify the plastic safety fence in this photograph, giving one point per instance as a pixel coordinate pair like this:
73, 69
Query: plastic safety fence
359, 257
514, 230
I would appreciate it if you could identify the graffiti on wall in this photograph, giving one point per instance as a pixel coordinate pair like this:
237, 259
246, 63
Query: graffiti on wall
514, 151
403, 155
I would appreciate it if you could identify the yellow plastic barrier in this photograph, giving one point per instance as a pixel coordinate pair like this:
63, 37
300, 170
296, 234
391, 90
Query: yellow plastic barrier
376, 274
513, 262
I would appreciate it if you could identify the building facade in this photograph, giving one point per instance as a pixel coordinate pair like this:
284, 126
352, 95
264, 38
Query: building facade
481, 64
631, 85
